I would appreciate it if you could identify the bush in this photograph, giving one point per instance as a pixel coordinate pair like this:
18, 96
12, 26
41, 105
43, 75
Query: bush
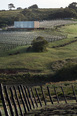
33, 6
39, 44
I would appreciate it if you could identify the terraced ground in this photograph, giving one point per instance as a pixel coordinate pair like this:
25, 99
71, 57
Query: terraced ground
10, 40
13, 47
19, 66
53, 23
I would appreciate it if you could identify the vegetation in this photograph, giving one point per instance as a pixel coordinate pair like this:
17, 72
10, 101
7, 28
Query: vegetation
35, 13
73, 5
63, 13
39, 44
16, 64
11, 5
59, 63
33, 6
62, 107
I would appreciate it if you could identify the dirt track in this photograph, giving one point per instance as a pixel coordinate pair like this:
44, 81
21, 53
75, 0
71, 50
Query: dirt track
56, 110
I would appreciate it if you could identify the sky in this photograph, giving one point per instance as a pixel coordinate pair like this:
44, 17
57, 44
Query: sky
40, 3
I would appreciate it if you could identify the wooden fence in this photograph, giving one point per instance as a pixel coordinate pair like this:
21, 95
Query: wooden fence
19, 100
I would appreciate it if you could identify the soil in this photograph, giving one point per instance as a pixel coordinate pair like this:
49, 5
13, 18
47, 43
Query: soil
56, 110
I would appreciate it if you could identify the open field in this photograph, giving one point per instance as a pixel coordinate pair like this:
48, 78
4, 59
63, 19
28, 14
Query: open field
13, 54
17, 66
11, 40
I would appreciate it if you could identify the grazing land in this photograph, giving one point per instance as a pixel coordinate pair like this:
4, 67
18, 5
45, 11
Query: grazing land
58, 63
10, 39
15, 60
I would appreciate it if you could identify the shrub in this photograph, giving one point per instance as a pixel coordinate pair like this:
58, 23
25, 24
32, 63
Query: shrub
39, 44
35, 6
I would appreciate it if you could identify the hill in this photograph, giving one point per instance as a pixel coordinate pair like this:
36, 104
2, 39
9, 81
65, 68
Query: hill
8, 17
53, 65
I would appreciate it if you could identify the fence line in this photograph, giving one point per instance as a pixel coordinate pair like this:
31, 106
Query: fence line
19, 100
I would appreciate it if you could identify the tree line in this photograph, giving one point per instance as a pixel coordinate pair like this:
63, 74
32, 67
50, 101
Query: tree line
34, 13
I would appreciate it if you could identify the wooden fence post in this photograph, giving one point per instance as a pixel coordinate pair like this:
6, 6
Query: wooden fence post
30, 97
74, 93
9, 101
4, 101
38, 97
34, 97
64, 95
24, 98
56, 95
43, 95
49, 95
16, 95
27, 97
19, 89
14, 103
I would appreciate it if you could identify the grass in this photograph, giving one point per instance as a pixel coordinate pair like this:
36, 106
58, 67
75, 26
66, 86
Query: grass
38, 68
43, 63
9, 13
13, 40
67, 87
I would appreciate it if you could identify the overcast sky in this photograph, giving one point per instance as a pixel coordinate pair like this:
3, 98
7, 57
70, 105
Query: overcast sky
40, 3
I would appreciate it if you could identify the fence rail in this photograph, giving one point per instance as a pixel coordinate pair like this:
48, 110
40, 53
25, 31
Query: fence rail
19, 100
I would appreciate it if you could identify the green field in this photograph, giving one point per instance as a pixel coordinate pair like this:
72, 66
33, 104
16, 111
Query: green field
49, 68
43, 63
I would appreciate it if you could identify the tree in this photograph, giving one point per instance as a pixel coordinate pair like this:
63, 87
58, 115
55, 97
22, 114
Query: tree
39, 44
73, 5
20, 17
33, 6
11, 5
25, 12
63, 13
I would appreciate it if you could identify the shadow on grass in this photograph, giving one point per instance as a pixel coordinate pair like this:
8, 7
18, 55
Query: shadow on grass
67, 73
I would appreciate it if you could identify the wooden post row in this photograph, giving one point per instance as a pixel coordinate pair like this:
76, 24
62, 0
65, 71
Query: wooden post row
64, 95
4, 100
49, 95
18, 101
23, 103
38, 97
14, 102
56, 95
9, 101
74, 93
34, 97
24, 97
27, 97
43, 95
30, 97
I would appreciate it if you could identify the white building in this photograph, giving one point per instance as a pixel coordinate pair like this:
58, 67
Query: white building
26, 24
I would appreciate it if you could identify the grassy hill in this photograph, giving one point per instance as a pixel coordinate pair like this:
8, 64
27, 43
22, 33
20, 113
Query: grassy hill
59, 62
8, 17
